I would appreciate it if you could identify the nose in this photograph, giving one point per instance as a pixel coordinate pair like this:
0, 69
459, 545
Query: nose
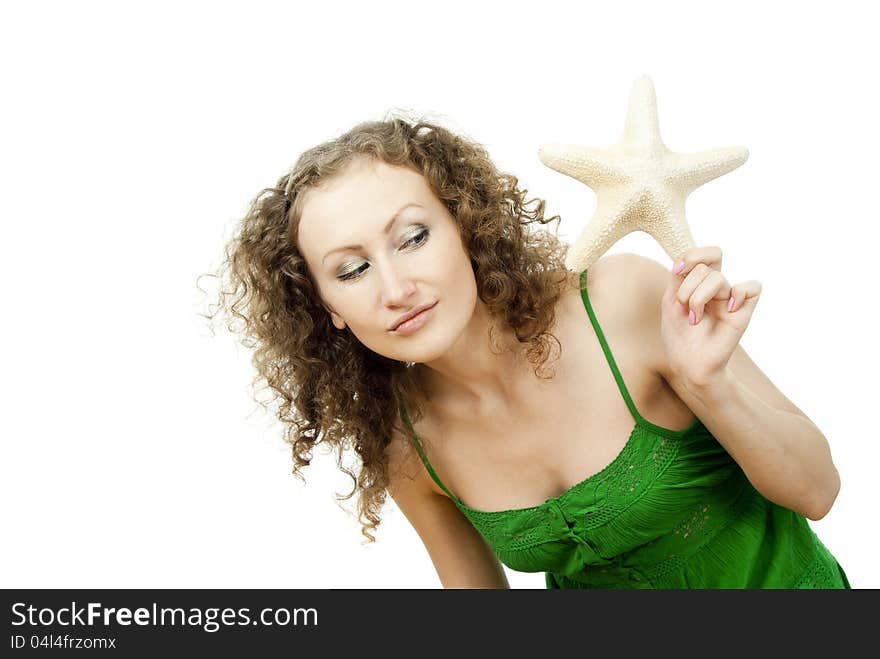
397, 285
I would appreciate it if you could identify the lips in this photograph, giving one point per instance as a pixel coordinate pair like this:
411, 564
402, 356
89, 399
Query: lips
412, 314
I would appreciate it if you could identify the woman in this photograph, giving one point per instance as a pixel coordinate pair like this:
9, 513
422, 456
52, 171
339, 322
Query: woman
399, 305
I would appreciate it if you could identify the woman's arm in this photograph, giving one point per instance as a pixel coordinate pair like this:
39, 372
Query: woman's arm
460, 555
783, 454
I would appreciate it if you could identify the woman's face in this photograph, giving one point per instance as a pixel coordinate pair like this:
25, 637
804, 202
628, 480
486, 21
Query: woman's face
379, 244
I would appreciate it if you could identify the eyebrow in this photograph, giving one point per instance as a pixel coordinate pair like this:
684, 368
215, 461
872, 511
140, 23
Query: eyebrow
385, 230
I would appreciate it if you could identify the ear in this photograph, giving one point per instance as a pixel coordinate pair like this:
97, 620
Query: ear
335, 318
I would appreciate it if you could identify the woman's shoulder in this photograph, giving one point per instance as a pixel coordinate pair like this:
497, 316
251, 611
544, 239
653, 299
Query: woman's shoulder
624, 272
406, 471
615, 282
625, 291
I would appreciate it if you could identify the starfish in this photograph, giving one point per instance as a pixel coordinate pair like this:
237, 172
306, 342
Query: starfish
640, 184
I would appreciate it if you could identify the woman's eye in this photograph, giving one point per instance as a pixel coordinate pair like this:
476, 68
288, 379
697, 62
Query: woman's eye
351, 274
421, 235
417, 239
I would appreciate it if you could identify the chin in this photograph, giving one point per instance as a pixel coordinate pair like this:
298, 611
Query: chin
422, 356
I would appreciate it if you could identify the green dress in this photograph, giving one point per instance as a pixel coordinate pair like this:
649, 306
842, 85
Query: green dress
672, 510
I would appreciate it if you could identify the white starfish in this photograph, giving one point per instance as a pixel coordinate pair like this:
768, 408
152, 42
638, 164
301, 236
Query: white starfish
640, 184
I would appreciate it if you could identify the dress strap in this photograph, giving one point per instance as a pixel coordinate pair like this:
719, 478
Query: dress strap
620, 384
421, 452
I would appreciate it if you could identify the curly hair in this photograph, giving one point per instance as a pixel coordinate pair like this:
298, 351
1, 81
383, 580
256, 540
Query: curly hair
329, 386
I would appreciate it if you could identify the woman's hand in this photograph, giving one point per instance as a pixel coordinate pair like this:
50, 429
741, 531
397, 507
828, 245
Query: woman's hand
699, 331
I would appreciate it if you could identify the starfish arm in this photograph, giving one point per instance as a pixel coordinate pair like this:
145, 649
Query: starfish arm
688, 171
672, 234
641, 130
594, 167
612, 220
660, 214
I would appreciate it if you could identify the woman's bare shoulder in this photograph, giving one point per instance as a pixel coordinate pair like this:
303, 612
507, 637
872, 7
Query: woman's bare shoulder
402, 459
621, 272
460, 556
406, 471
610, 285
622, 287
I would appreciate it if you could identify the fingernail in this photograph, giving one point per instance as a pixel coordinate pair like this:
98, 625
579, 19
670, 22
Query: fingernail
693, 317
678, 267
730, 304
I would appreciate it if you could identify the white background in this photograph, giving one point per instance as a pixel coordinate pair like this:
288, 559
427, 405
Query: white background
135, 135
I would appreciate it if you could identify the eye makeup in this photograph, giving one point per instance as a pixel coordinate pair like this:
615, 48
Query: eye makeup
417, 240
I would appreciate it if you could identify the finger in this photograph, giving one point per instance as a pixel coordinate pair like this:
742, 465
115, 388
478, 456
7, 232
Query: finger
742, 292
713, 287
693, 279
711, 256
